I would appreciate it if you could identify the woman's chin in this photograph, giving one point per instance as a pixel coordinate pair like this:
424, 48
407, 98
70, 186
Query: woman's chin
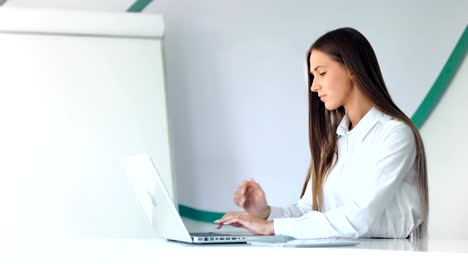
331, 107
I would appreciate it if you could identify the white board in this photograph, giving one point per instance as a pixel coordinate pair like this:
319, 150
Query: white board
77, 92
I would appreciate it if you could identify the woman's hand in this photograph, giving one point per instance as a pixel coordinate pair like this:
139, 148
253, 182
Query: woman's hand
253, 224
251, 198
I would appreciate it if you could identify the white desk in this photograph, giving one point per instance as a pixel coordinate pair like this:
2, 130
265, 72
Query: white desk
156, 250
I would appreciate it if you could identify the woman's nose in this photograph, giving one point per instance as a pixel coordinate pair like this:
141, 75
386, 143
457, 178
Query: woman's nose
314, 87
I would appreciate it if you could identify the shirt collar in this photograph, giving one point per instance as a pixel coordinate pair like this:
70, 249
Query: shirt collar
363, 127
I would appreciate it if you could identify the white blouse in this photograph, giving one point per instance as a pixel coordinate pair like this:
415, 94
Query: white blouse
371, 191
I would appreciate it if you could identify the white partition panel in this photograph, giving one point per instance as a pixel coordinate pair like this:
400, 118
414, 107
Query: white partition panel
77, 92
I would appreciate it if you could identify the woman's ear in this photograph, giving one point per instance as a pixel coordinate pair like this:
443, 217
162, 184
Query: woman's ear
351, 75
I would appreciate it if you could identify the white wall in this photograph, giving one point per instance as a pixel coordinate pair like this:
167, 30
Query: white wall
106, 5
446, 145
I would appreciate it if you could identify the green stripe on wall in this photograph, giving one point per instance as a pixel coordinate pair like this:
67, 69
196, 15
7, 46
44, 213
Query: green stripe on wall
420, 116
199, 215
138, 6
442, 81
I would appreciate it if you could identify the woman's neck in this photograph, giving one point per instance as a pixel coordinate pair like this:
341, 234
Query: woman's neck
357, 109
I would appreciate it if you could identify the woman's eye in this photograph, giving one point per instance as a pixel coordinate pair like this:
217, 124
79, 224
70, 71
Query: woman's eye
322, 74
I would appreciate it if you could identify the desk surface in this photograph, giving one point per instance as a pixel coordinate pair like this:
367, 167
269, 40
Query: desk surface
152, 250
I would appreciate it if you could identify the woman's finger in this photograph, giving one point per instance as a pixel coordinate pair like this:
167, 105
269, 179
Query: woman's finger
255, 184
235, 220
239, 195
228, 216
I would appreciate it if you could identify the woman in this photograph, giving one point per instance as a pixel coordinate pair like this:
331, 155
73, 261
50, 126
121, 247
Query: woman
367, 175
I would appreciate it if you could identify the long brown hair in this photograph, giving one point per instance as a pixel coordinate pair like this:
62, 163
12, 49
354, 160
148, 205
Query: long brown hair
350, 48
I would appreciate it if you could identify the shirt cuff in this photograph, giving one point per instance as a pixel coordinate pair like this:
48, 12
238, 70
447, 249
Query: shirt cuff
282, 226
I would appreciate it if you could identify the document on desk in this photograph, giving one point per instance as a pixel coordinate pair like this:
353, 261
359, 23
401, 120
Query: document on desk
329, 242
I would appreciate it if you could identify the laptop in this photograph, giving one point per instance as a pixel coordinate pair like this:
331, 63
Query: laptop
160, 209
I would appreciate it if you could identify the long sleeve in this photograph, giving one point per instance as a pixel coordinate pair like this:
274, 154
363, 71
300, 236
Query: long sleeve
371, 188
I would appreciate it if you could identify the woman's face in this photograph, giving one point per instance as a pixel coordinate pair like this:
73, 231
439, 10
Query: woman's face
332, 81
